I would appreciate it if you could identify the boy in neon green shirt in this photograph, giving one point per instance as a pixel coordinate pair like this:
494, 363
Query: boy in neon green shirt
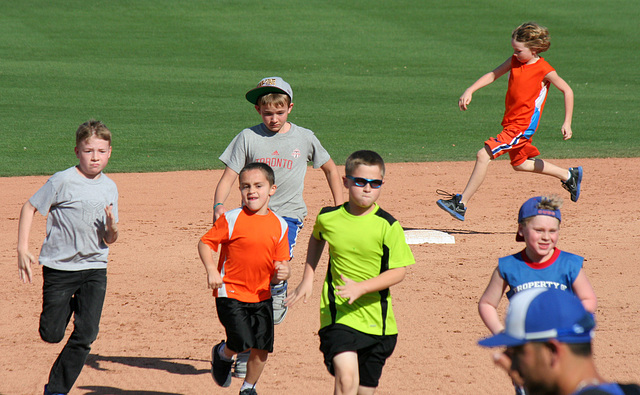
367, 255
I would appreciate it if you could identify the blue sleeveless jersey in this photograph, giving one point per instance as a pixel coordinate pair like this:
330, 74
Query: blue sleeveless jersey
559, 272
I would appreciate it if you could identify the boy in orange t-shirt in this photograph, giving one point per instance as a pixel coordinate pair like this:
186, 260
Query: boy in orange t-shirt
530, 77
254, 252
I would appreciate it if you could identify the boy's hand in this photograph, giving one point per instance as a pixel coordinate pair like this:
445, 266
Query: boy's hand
25, 260
464, 100
351, 290
302, 291
566, 132
110, 217
283, 272
110, 225
214, 280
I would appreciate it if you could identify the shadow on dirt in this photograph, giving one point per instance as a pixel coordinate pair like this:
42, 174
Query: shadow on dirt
170, 365
464, 231
99, 390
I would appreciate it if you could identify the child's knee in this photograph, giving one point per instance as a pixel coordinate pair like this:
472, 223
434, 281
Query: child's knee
484, 154
518, 167
347, 382
50, 335
527, 165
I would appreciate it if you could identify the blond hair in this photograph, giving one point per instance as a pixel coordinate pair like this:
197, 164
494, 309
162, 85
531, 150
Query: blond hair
533, 36
551, 202
275, 99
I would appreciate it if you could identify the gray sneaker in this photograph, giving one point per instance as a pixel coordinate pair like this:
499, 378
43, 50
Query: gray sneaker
452, 205
279, 294
240, 365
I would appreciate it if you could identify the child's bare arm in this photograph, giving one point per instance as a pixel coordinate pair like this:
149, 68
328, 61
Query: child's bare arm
563, 87
483, 81
214, 280
303, 290
111, 234
334, 181
353, 290
25, 257
584, 291
488, 304
222, 191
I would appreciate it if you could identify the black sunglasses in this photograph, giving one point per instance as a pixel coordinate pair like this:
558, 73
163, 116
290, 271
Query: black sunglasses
361, 182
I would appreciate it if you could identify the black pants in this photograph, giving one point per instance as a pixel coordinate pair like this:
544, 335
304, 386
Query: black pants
64, 293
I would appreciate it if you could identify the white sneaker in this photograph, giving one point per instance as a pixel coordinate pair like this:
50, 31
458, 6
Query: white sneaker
279, 294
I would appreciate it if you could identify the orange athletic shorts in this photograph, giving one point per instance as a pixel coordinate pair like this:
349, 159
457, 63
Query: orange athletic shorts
515, 143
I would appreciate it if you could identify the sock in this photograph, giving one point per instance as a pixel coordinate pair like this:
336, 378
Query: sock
221, 353
569, 171
246, 385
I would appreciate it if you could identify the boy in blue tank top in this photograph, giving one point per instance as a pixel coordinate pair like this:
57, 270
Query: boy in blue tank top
540, 264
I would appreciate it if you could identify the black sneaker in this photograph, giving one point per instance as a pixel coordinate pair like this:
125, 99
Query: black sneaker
452, 205
248, 391
220, 370
573, 184
47, 392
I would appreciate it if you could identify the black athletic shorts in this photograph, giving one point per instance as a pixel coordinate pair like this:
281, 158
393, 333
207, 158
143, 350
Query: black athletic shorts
247, 325
372, 350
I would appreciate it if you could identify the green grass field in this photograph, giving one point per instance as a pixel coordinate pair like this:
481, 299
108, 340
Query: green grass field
169, 78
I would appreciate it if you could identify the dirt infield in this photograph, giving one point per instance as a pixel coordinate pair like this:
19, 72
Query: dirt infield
159, 320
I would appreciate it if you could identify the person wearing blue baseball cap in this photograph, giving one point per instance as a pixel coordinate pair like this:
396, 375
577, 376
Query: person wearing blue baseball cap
539, 264
548, 336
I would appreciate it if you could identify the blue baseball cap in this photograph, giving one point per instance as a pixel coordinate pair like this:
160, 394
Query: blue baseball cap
531, 208
269, 85
539, 314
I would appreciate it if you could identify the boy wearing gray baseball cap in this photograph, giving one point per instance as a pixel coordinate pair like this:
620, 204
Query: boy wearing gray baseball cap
287, 148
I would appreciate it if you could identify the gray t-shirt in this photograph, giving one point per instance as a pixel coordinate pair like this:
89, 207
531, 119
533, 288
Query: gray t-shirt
287, 153
76, 220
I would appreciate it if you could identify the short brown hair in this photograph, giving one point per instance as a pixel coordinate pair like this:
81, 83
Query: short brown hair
363, 157
265, 168
533, 36
92, 128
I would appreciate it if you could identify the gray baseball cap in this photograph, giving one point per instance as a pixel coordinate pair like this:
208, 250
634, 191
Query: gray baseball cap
269, 85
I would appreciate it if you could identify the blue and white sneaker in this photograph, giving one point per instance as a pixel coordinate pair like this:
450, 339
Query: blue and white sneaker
573, 184
452, 205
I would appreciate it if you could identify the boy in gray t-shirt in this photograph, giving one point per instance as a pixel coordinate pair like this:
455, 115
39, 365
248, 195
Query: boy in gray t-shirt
287, 148
81, 205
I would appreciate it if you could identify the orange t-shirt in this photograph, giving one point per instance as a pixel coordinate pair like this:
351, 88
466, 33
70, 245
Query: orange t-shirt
250, 245
526, 95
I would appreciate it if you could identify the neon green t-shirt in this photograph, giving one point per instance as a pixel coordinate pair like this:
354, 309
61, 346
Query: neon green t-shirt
360, 248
